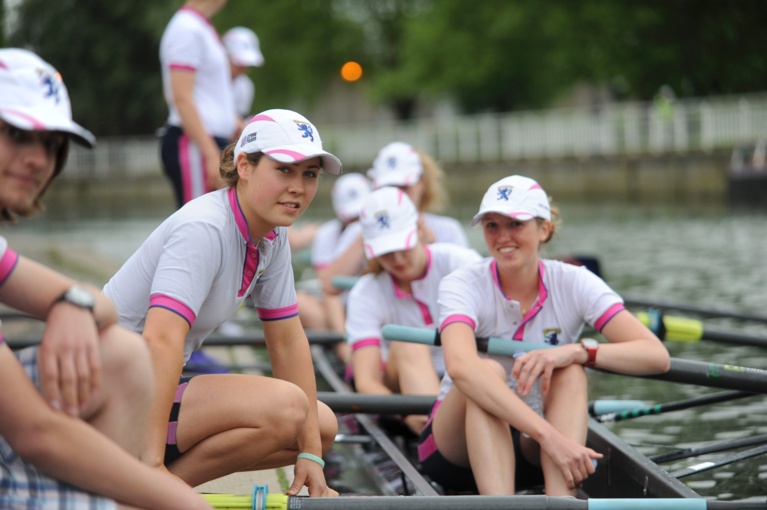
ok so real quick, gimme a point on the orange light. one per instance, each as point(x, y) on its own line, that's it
point(351, 71)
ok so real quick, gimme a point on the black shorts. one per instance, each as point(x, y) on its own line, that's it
point(454, 478)
point(183, 164)
point(171, 449)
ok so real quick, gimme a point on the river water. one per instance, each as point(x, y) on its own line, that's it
point(704, 254)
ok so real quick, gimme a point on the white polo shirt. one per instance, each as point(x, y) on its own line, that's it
point(446, 229)
point(244, 91)
point(331, 240)
point(190, 42)
point(569, 297)
point(201, 264)
point(375, 300)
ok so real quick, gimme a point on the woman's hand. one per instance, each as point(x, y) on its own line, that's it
point(574, 460)
point(542, 363)
point(308, 473)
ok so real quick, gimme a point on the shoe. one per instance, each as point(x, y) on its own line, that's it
point(201, 363)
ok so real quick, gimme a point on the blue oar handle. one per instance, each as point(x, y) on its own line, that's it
point(344, 282)
point(492, 345)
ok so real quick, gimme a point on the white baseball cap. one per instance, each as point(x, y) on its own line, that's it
point(34, 98)
point(389, 222)
point(517, 197)
point(285, 136)
point(397, 164)
point(243, 47)
point(349, 193)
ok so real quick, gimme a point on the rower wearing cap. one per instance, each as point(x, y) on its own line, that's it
point(193, 273)
point(72, 410)
point(500, 423)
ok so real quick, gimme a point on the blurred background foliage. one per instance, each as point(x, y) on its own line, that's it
point(481, 55)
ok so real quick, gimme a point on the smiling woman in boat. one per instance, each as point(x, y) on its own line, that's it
point(193, 273)
point(400, 287)
point(501, 423)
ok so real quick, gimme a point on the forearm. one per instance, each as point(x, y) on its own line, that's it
point(74, 452)
point(193, 126)
point(48, 285)
point(167, 365)
point(348, 263)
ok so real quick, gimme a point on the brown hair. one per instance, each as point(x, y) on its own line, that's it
point(434, 197)
point(556, 221)
point(228, 166)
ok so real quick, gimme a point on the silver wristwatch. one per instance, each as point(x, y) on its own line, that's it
point(78, 296)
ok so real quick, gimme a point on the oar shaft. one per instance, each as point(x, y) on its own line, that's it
point(279, 502)
point(254, 338)
point(694, 309)
point(728, 459)
point(672, 406)
point(713, 375)
point(711, 448)
point(377, 404)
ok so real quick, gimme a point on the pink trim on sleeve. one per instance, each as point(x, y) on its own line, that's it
point(609, 314)
point(174, 305)
point(7, 263)
point(457, 318)
point(1, 339)
point(275, 314)
point(182, 67)
point(367, 342)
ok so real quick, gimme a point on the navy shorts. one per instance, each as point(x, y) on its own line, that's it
point(171, 449)
point(454, 478)
point(183, 165)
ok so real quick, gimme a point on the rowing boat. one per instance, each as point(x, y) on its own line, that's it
point(624, 472)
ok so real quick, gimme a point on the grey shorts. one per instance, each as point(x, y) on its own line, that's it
point(23, 487)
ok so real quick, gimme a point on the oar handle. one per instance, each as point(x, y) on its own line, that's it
point(344, 282)
point(713, 375)
point(492, 345)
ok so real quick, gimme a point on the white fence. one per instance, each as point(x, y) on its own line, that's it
point(604, 130)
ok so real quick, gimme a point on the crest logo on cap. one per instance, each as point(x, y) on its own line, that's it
point(391, 162)
point(504, 193)
point(383, 220)
point(306, 130)
point(51, 86)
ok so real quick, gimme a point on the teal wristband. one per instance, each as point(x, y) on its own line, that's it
point(309, 456)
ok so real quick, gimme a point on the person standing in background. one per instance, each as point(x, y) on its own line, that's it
point(244, 51)
point(197, 85)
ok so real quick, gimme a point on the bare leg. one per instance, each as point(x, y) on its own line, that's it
point(566, 407)
point(468, 436)
point(310, 311)
point(410, 371)
point(121, 407)
point(488, 435)
point(229, 423)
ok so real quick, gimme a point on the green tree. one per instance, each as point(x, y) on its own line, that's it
point(108, 55)
point(304, 42)
point(512, 54)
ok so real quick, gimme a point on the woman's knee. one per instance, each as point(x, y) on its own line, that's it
point(495, 368)
point(125, 359)
point(328, 426)
point(573, 377)
point(290, 409)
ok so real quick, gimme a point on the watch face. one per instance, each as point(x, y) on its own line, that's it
point(590, 343)
point(80, 297)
